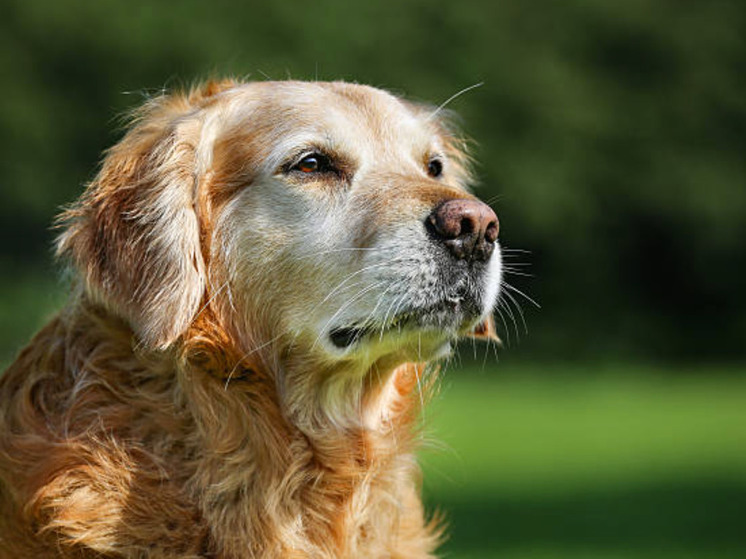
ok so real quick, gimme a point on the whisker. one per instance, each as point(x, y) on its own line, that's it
point(212, 297)
point(451, 98)
point(417, 374)
point(518, 308)
point(370, 319)
point(521, 293)
point(364, 269)
point(506, 307)
point(276, 262)
point(385, 320)
point(487, 353)
point(341, 289)
point(352, 300)
point(494, 348)
point(493, 199)
point(314, 255)
point(499, 312)
point(402, 301)
point(253, 351)
point(396, 306)
point(512, 272)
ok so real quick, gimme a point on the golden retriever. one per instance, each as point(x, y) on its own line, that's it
point(262, 271)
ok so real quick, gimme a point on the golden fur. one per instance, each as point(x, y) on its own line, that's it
point(185, 403)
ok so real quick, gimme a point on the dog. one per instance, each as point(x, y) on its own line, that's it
point(261, 273)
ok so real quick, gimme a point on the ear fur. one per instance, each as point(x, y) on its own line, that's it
point(134, 235)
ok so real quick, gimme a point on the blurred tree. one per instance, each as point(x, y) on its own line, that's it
point(611, 139)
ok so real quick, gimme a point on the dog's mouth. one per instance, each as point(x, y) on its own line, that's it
point(448, 317)
point(347, 336)
point(343, 338)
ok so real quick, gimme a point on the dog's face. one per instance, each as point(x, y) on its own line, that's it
point(324, 218)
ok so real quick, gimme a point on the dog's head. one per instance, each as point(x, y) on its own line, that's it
point(327, 218)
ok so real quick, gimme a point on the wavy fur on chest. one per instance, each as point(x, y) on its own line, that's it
point(109, 452)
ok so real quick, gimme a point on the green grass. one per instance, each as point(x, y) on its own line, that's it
point(621, 463)
point(30, 296)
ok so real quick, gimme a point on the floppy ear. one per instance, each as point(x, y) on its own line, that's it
point(134, 234)
point(485, 330)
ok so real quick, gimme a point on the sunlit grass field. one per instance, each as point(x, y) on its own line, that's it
point(620, 462)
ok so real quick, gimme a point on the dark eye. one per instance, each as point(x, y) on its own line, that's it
point(435, 167)
point(314, 163)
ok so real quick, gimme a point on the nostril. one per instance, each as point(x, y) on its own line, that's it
point(467, 226)
point(492, 231)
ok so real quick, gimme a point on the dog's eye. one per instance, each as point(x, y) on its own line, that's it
point(314, 163)
point(435, 167)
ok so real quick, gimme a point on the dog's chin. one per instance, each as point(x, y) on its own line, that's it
point(407, 342)
point(418, 334)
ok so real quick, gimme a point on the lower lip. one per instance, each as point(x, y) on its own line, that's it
point(342, 338)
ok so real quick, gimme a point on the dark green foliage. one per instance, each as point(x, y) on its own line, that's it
point(611, 137)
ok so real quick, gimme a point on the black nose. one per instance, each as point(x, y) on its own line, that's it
point(468, 228)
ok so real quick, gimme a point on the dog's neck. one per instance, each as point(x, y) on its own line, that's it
point(338, 444)
point(329, 487)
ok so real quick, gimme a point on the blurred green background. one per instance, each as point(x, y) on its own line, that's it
point(611, 139)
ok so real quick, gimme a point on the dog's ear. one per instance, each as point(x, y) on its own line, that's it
point(134, 235)
point(486, 331)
